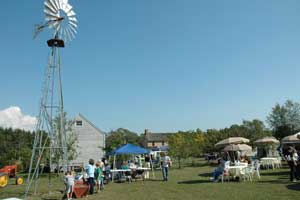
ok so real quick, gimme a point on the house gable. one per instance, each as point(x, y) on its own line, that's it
point(91, 140)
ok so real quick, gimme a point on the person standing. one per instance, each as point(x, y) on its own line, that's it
point(91, 174)
point(292, 158)
point(99, 176)
point(147, 162)
point(166, 163)
point(69, 182)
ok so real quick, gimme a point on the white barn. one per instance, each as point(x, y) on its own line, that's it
point(91, 140)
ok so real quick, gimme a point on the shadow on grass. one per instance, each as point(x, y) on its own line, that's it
point(194, 182)
point(205, 174)
point(294, 187)
point(197, 164)
point(155, 180)
point(276, 181)
point(276, 173)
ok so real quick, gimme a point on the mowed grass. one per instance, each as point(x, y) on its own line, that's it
point(184, 184)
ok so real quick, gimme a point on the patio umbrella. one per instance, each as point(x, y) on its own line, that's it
point(267, 147)
point(291, 139)
point(231, 140)
point(238, 147)
point(267, 140)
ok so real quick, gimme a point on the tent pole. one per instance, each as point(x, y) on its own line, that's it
point(112, 178)
point(153, 175)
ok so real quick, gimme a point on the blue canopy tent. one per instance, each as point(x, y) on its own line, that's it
point(130, 149)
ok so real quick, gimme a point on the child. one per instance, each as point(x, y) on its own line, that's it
point(99, 176)
point(69, 182)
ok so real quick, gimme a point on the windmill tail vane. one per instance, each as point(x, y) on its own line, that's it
point(38, 28)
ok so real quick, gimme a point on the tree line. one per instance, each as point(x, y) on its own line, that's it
point(283, 120)
point(16, 145)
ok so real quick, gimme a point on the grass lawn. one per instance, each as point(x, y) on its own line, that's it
point(184, 184)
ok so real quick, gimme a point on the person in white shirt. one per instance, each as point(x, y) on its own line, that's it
point(69, 182)
point(292, 158)
point(165, 164)
point(91, 174)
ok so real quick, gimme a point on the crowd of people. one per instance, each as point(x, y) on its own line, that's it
point(95, 173)
point(226, 160)
point(289, 154)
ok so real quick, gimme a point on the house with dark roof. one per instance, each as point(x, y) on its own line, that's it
point(156, 140)
point(91, 140)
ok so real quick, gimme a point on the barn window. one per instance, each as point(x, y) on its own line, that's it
point(78, 123)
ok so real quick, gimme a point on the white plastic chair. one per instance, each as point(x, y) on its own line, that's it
point(226, 173)
point(256, 168)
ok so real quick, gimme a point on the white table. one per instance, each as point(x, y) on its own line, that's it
point(141, 168)
point(120, 170)
point(268, 162)
point(117, 170)
point(236, 171)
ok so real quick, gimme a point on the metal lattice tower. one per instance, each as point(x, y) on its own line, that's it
point(50, 145)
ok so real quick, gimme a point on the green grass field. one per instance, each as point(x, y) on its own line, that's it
point(184, 184)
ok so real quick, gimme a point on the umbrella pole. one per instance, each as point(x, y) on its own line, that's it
point(112, 178)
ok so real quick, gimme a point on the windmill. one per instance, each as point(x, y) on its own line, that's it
point(50, 148)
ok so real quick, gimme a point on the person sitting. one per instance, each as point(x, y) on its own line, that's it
point(219, 170)
point(132, 165)
point(124, 166)
point(242, 159)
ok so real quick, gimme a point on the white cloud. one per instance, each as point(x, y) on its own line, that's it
point(13, 117)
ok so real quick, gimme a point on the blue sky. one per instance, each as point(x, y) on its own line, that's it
point(163, 65)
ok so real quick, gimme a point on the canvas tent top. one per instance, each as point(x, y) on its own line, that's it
point(129, 149)
point(291, 139)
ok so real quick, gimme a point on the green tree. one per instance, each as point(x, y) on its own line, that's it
point(71, 137)
point(116, 138)
point(285, 119)
point(177, 146)
point(15, 147)
point(251, 130)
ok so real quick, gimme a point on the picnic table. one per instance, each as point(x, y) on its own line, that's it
point(237, 170)
point(113, 171)
point(269, 162)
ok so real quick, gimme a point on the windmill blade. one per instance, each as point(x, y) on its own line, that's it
point(65, 35)
point(63, 4)
point(68, 36)
point(73, 29)
point(72, 33)
point(52, 2)
point(73, 24)
point(68, 8)
point(49, 7)
point(50, 14)
point(71, 13)
point(55, 2)
point(73, 19)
